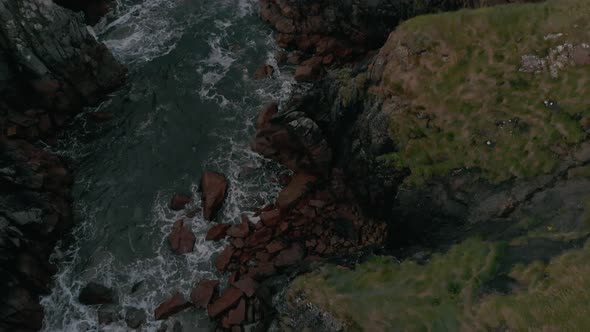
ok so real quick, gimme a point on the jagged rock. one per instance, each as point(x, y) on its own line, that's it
point(179, 201)
point(267, 114)
point(296, 189)
point(172, 306)
point(204, 293)
point(135, 317)
point(224, 258)
point(217, 232)
point(95, 293)
point(247, 285)
point(270, 218)
point(181, 239)
point(213, 188)
point(230, 297)
point(239, 231)
point(238, 315)
point(48, 72)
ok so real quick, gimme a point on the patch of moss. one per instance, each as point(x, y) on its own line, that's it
point(382, 295)
point(447, 293)
point(463, 72)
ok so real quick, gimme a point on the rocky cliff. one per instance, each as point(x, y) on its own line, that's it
point(479, 120)
point(50, 67)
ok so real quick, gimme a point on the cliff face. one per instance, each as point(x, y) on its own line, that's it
point(480, 121)
point(50, 67)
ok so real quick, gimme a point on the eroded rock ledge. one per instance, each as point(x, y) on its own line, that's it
point(50, 67)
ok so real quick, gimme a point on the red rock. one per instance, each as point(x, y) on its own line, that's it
point(247, 285)
point(328, 60)
point(170, 307)
point(182, 240)
point(283, 226)
point(213, 188)
point(295, 190)
point(308, 211)
point(267, 114)
point(239, 231)
point(289, 257)
point(263, 72)
point(270, 218)
point(238, 242)
point(202, 295)
point(262, 256)
point(222, 261)
point(217, 232)
point(274, 246)
point(230, 297)
point(238, 315)
point(260, 236)
point(179, 201)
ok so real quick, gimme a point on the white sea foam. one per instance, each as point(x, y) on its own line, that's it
point(248, 174)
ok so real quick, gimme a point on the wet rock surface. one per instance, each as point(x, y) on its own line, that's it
point(40, 90)
point(94, 293)
point(213, 188)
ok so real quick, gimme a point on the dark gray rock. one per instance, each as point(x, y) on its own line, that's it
point(108, 314)
point(135, 317)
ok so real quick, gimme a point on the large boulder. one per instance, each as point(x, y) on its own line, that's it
point(204, 293)
point(213, 188)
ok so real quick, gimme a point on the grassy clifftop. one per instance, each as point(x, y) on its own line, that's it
point(501, 89)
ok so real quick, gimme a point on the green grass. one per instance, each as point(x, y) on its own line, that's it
point(464, 88)
point(446, 294)
point(382, 295)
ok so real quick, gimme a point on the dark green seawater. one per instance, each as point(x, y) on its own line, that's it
point(189, 105)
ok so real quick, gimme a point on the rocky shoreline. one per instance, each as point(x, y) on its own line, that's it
point(341, 198)
point(45, 80)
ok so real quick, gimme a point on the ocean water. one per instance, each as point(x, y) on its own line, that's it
point(189, 105)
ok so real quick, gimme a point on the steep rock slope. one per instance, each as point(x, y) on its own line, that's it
point(50, 67)
point(486, 111)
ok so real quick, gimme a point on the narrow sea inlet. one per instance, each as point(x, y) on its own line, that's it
point(189, 106)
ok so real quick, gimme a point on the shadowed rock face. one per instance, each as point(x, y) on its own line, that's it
point(50, 67)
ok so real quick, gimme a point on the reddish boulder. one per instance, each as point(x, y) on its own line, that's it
point(213, 188)
point(270, 218)
point(202, 295)
point(217, 232)
point(230, 297)
point(247, 285)
point(239, 231)
point(238, 315)
point(289, 257)
point(170, 307)
point(264, 71)
point(260, 236)
point(222, 261)
point(267, 114)
point(182, 240)
point(295, 190)
point(275, 246)
point(179, 201)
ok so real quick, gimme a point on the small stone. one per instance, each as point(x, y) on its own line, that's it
point(275, 246)
point(170, 307)
point(242, 230)
point(179, 201)
point(217, 232)
point(181, 239)
point(264, 71)
point(223, 260)
point(270, 218)
point(135, 317)
point(238, 315)
point(247, 285)
point(289, 257)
